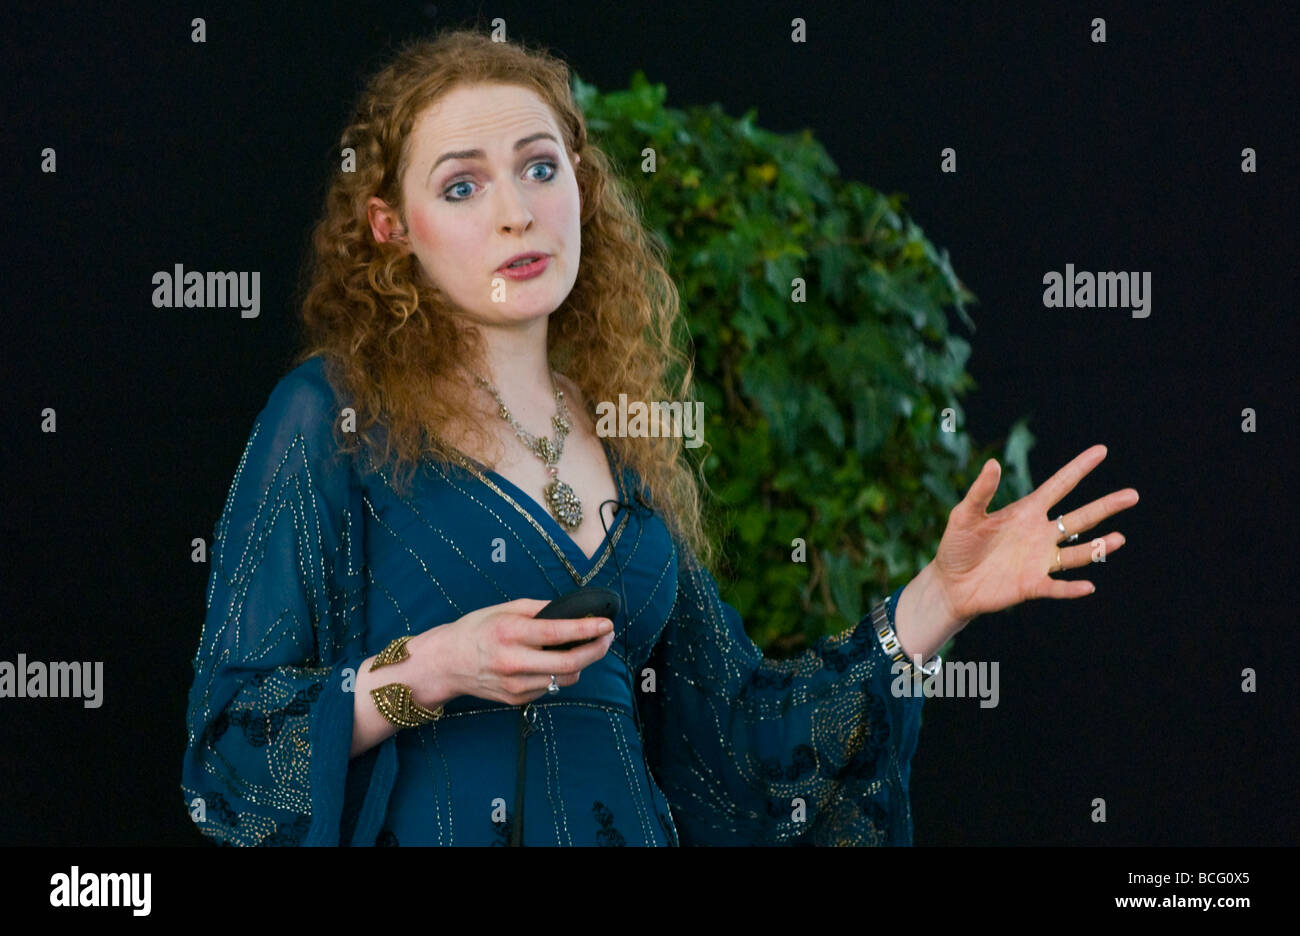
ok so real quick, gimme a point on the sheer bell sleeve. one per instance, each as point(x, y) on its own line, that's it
point(270, 712)
point(815, 750)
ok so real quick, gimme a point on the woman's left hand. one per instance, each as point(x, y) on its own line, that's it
point(987, 562)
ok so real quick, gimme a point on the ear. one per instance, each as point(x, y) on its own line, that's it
point(385, 225)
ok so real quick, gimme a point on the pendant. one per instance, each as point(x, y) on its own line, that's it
point(564, 504)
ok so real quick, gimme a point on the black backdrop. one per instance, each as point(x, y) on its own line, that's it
point(1117, 156)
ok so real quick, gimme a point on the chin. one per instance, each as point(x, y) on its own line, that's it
point(504, 314)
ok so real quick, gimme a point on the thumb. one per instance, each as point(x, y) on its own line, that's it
point(525, 606)
point(985, 486)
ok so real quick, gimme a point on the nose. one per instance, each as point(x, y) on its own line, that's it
point(513, 210)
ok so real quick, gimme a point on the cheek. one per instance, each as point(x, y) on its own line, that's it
point(564, 212)
point(422, 226)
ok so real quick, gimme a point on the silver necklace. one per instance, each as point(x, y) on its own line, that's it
point(561, 500)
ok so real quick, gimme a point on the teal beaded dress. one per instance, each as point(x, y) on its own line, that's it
point(316, 566)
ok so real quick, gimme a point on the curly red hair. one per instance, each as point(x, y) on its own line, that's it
point(390, 339)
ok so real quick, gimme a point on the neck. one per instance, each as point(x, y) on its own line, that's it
point(518, 368)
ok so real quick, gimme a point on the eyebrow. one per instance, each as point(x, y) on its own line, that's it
point(479, 154)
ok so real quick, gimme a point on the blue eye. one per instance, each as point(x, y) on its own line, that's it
point(543, 162)
point(553, 170)
point(457, 185)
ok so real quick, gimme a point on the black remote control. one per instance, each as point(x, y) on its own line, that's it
point(592, 601)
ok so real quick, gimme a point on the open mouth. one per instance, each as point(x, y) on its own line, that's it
point(525, 267)
point(522, 261)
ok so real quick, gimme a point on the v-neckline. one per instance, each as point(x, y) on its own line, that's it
point(541, 519)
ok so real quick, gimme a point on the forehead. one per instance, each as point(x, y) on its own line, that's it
point(482, 115)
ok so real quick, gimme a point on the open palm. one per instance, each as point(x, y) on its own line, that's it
point(988, 562)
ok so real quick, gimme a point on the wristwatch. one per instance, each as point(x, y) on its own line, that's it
point(890, 644)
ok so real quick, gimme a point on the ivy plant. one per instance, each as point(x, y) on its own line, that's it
point(817, 311)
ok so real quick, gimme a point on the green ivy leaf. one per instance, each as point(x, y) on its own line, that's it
point(845, 584)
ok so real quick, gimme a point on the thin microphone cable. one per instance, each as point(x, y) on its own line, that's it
point(637, 511)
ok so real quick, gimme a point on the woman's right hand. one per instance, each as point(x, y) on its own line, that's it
point(496, 653)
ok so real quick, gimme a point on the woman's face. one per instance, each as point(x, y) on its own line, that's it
point(469, 214)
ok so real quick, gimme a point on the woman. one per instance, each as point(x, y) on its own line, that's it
point(429, 476)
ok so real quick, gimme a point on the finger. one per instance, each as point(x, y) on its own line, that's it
point(985, 486)
point(545, 633)
point(538, 687)
point(1075, 557)
point(1051, 492)
point(1089, 515)
point(563, 661)
point(561, 679)
point(1065, 588)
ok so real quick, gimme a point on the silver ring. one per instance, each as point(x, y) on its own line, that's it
point(1060, 525)
point(552, 687)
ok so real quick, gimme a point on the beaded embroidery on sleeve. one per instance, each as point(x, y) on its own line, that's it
point(752, 751)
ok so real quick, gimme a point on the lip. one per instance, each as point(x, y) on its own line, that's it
point(528, 270)
point(520, 256)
